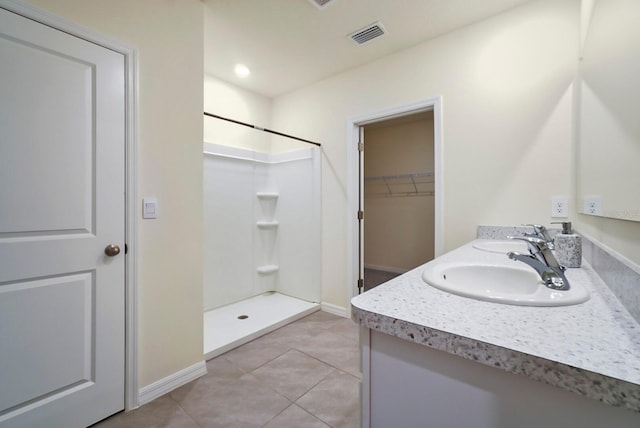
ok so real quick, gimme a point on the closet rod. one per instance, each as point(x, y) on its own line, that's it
point(261, 129)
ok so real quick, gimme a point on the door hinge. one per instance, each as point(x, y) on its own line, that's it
point(361, 147)
point(360, 215)
point(360, 285)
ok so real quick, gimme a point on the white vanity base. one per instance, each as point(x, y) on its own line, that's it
point(409, 385)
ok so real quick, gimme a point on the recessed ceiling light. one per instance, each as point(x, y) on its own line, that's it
point(242, 70)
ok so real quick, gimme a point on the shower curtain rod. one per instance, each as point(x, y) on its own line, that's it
point(261, 129)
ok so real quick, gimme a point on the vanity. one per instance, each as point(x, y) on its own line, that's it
point(433, 357)
point(470, 350)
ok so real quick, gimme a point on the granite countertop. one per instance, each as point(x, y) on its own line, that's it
point(592, 348)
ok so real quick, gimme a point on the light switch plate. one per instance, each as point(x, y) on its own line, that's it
point(149, 208)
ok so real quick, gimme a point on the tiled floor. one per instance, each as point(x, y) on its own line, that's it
point(305, 374)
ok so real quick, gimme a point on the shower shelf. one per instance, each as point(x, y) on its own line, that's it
point(267, 195)
point(268, 269)
point(267, 224)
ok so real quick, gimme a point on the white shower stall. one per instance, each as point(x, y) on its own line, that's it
point(262, 239)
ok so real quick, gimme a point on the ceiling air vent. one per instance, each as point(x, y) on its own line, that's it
point(368, 33)
point(320, 4)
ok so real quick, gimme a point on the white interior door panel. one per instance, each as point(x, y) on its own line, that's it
point(62, 178)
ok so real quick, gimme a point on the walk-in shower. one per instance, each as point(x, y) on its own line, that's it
point(262, 233)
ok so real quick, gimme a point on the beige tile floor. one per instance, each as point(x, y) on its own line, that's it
point(305, 374)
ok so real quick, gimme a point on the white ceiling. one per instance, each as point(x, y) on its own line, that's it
point(289, 44)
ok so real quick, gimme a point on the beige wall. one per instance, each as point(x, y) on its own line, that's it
point(169, 39)
point(399, 228)
point(506, 86)
point(230, 101)
point(233, 102)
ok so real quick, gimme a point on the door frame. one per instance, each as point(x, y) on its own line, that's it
point(353, 179)
point(131, 210)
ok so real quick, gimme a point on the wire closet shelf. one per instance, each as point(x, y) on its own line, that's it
point(399, 185)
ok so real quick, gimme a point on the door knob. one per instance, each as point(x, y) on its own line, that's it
point(112, 250)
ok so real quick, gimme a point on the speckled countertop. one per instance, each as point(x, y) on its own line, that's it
point(592, 348)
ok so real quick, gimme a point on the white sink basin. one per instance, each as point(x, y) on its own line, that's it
point(513, 285)
point(500, 246)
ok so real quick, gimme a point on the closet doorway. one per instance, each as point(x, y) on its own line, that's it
point(397, 197)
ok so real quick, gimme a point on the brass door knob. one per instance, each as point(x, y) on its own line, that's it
point(112, 250)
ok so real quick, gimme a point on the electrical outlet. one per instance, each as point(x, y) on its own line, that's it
point(592, 205)
point(559, 206)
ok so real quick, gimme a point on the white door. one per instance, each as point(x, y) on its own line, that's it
point(62, 131)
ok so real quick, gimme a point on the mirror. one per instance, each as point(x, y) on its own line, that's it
point(609, 111)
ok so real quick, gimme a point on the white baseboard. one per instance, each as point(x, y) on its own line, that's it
point(163, 386)
point(335, 309)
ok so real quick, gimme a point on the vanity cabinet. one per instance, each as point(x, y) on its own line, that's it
point(407, 385)
point(431, 358)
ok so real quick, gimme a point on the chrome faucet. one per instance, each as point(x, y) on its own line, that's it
point(542, 260)
point(541, 232)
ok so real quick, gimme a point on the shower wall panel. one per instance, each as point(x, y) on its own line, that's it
point(297, 178)
point(228, 226)
point(262, 224)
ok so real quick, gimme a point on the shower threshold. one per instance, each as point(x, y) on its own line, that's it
point(233, 325)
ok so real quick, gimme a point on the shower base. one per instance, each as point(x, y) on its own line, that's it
point(233, 325)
